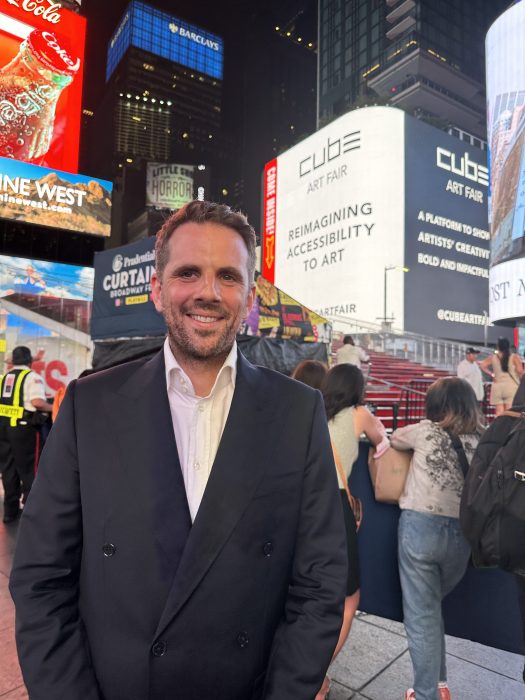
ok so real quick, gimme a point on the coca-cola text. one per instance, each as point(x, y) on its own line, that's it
point(48, 11)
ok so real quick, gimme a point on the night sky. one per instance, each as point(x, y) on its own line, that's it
point(231, 19)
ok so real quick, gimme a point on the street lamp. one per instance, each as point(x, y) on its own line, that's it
point(387, 269)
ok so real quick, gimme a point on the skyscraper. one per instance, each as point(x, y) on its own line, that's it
point(162, 103)
point(423, 56)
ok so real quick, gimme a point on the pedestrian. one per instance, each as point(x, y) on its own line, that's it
point(310, 372)
point(432, 552)
point(468, 369)
point(23, 407)
point(351, 353)
point(343, 391)
point(184, 537)
point(505, 369)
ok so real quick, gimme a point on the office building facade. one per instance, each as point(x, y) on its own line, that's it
point(421, 56)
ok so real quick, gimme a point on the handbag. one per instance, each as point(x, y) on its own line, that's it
point(388, 473)
point(355, 503)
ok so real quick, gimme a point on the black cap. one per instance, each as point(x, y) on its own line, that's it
point(22, 355)
point(471, 350)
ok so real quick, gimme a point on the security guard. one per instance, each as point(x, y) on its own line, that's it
point(22, 397)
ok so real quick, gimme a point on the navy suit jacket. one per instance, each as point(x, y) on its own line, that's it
point(254, 607)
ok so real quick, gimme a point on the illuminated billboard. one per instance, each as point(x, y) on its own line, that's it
point(46, 306)
point(505, 46)
point(41, 69)
point(372, 193)
point(172, 185)
point(54, 198)
point(167, 36)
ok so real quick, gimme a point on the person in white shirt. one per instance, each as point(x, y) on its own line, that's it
point(184, 537)
point(468, 369)
point(350, 353)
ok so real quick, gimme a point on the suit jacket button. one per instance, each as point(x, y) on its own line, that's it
point(108, 549)
point(159, 648)
point(268, 549)
point(243, 640)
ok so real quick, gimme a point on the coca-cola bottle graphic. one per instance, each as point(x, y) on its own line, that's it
point(30, 86)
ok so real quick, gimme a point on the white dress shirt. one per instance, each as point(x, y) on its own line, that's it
point(198, 422)
point(471, 373)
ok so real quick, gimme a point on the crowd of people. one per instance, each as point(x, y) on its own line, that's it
point(432, 552)
point(140, 571)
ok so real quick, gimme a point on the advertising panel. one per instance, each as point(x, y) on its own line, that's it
point(334, 215)
point(505, 46)
point(167, 36)
point(379, 216)
point(46, 306)
point(122, 305)
point(277, 315)
point(171, 185)
point(41, 68)
point(446, 238)
point(54, 198)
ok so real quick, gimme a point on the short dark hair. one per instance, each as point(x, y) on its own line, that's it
point(348, 340)
point(311, 372)
point(343, 386)
point(451, 403)
point(22, 355)
point(200, 213)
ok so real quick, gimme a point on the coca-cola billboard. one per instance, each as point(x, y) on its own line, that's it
point(41, 69)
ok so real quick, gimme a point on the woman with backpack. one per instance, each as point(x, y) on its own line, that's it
point(432, 552)
point(506, 370)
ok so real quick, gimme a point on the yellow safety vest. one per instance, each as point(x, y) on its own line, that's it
point(14, 411)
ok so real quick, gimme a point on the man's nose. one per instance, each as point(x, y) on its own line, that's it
point(209, 288)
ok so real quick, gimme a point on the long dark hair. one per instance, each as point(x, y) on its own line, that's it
point(452, 404)
point(503, 347)
point(311, 372)
point(343, 386)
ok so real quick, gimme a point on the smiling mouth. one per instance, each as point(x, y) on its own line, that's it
point(204, 319)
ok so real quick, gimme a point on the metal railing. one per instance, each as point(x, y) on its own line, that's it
point(414, 347)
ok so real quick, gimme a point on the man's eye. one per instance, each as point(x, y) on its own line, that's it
point(187, 274)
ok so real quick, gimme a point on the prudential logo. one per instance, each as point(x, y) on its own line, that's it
point(118, 262)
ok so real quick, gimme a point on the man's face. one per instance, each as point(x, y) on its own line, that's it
point(204, 292)
point(471, 356)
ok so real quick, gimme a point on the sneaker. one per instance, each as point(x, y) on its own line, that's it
point(444, 692)
point(410, 694)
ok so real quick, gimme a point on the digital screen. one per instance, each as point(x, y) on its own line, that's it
point(54, 198)
point(41, 72)
point(172, 185)
point(167, 36)
point(381, 215)
point(47, 307)
point(333, 216)
point(447, 241)
point(505, 46)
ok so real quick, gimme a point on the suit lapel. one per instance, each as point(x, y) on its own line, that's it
point(148, 453)
point(236, 472)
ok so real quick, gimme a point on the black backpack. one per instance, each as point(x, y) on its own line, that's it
point(492, 511)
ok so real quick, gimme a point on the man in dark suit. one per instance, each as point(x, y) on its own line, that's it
point(184, 536)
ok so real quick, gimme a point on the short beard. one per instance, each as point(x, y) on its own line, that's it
point(180, 340)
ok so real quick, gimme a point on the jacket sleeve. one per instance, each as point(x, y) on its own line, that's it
point(307, 635)
point(52, 646)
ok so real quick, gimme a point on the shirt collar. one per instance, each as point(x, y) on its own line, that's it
point(176, 377)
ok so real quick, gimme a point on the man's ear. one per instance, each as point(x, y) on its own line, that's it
point(156, 289)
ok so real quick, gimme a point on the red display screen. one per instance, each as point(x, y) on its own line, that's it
point(41, 72)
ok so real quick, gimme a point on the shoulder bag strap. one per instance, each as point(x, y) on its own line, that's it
point(355, 503)
point(460, 451)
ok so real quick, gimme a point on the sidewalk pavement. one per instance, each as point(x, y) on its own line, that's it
point(373, 665)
